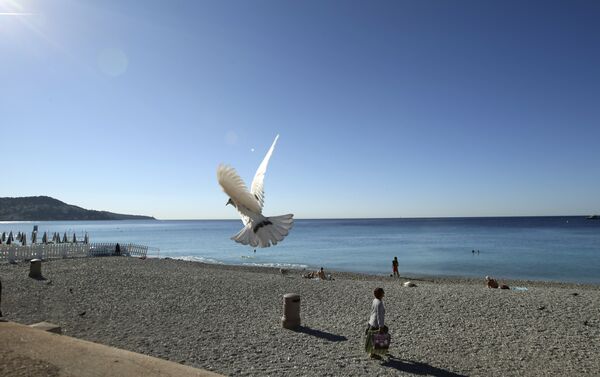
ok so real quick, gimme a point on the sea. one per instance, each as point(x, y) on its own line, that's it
point(563, 249)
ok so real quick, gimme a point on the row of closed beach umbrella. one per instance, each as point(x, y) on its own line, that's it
point(21, 237)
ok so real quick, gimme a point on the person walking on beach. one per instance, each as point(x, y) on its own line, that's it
point(376, 323)
point(395, 267)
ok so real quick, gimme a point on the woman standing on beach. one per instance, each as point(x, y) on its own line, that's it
point(395, 267)
point(376, 322)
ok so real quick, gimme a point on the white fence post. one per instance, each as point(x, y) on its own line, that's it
point(11, 255)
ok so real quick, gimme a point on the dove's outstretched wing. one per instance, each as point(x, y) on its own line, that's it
point(258, 230)
point(258, 189)
point(233, 186)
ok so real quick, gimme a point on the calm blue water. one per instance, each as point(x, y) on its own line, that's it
point(536, 248)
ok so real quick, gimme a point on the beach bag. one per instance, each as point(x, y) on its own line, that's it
point(381, 341)
point(376, 343)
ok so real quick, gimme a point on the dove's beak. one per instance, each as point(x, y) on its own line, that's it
point(229, 202)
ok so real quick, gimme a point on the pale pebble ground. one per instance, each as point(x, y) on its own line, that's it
point(227, 319)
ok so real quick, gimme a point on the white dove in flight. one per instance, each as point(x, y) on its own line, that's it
point(258, 230)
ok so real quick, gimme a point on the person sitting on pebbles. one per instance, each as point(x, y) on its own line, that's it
point(321, 274)
point(317, 275)
point(490, 282)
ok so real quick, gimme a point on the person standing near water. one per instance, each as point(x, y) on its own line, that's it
point(395, 267)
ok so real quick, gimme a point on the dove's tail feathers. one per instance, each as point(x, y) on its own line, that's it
point(245, 236)
point(269, 232)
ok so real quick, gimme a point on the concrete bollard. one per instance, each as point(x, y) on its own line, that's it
point(291, 311)
point(35, 269)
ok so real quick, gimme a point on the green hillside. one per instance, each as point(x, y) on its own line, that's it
point(44, 208)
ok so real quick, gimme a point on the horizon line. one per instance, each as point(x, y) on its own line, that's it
point(378, 218)
point(317, 218)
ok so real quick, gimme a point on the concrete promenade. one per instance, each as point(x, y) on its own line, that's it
point(25, 351)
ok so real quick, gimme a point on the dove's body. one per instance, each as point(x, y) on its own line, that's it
point(258, 230)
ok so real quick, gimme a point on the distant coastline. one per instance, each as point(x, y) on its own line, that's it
point(45, 208)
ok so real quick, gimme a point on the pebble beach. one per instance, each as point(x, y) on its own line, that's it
point(227, 319)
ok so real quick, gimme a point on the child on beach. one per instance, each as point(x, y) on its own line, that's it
point(376, 325)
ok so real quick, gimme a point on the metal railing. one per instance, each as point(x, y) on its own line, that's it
point(14, 253)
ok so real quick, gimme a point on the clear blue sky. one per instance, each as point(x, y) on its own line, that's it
point(385, 108)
